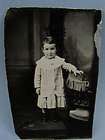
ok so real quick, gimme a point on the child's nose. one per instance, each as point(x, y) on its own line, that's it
point(49, 51)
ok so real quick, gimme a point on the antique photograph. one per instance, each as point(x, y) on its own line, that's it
point(52, 64)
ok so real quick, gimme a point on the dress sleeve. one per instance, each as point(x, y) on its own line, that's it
point(37, 76)
point(69, 67)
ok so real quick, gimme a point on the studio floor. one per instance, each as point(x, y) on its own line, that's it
point(28, 125)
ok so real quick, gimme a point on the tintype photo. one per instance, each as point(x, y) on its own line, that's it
point(52, 61)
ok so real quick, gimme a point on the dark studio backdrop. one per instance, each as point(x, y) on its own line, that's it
point(73, 31)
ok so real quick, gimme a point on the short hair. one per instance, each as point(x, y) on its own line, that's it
point(48, 39)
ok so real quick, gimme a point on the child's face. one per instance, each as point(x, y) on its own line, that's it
point(49, 50)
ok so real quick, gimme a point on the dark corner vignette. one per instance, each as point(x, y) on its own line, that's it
point(60, 44)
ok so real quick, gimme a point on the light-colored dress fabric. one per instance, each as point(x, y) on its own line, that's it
point(49, 78)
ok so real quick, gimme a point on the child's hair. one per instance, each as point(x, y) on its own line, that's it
point(48, 39)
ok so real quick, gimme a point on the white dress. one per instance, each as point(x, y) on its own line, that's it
point(49, 78)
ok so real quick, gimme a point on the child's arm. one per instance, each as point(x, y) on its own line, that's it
point(37, 79)
point(71, 68)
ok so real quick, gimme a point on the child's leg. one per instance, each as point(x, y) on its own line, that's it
point(52, 114)
point(49, 115)
point(44, 114)
point(62, 114)
point(61, 108)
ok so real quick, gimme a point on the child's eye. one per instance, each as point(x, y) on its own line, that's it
point(52, 48)
point(46, 49)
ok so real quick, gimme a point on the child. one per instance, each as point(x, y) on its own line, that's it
point(49, 81)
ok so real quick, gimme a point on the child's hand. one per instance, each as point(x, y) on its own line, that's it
point(38, 91)
point(75, 73)
point(79, 72)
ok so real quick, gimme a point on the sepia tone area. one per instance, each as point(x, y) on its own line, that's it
point(73, 31)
